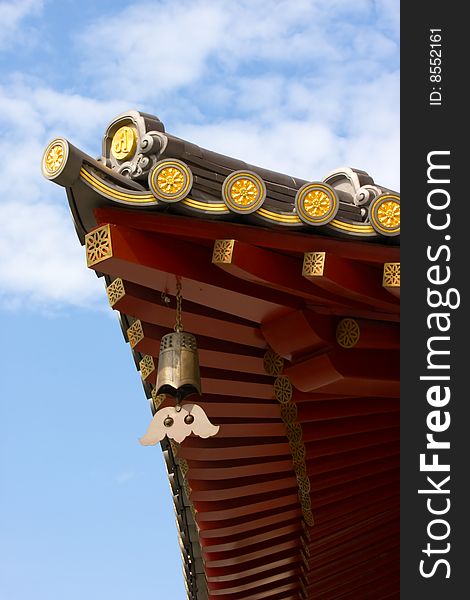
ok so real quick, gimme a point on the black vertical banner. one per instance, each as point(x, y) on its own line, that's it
point(435, 397)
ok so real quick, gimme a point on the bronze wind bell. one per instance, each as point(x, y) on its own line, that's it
point(178, 376)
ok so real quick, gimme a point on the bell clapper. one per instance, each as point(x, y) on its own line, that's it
point(168, 422)
point(189, 419)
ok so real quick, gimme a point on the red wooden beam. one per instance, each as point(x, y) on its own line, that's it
point(336, 428)
point(284, 563)
point(153, 262)
point(351, 442)
point(351, 458)
point(151, 309)
point(241, 557)
point(367, 484)
point(216, 491)
point(287, 241)
point(255, 536)
point(241, 526)
point(232, 449)
point(213, 353)
point(230, 510)
point(340, 409)
point(204, 471)
point(358, 372)
point(353, 280)
point(274, 270)
point(298, 332)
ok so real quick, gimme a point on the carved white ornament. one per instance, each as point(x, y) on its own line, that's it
point(179, 429)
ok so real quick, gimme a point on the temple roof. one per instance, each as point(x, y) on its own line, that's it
point(144, 167)
point(292, 291)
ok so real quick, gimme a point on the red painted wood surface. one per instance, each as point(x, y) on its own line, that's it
point(244, 488)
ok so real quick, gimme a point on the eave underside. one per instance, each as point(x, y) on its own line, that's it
point(325, 448)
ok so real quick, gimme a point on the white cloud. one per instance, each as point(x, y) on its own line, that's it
point(388, 15)
point(302, 87)
point(12, 15)
point(149, 49)
point(41, 261)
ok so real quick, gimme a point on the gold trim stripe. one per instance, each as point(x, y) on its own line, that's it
point(350, 227)
point(136, 197)
point(143, 198)
point(204, 205)
point(264, 212)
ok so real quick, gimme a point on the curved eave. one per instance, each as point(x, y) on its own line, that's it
point(91, 185)
point(242, 483)
point(298, 337)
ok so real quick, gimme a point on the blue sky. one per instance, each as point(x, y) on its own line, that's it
point(301, 87)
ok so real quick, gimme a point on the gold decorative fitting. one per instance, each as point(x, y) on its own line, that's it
point(283, 389)
point(348, 333)
point(304, 483)
point(303, 590)
point(316, 203)
point(314, 264)
point(170, 180)
point(157, 400)
point(115, 291)
point(304, 576)
point(273, 363)
point(294, 432)
point(305, 546)
point(301, 470)
point(299, 454)
point(308, 517)
point(174, 446)
point(135, 333)
point(146, 366)
point(184, 467)
point(305, 532)
point(54, 158)
point(304, 558)
point(305, 501)
point(384, 215)
point(391, 277)
point(243, 192)
point(124, 143)
point(289, 412)
point(98, 245)
point(187, 488)
point(223, 250)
